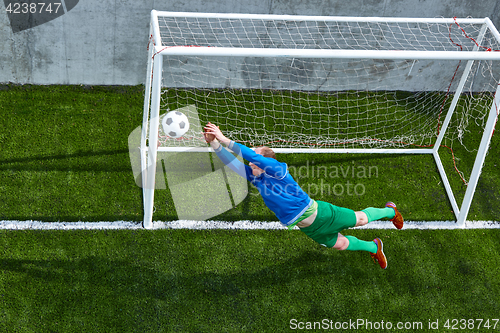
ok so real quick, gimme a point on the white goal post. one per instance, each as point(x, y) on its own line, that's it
point(314, 84)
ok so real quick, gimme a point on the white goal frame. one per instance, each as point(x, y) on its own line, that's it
point(157, 52)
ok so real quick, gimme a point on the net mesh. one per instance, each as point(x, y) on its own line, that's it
point(316, 34)
point(291, 102)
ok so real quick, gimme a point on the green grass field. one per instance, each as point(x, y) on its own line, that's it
point(64, 157)
point(241, 281)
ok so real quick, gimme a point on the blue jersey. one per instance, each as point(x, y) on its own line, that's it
point(281, 193)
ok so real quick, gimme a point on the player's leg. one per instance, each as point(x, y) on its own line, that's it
point(342, 243)
point(351, 243)
point(361, 219)
point(331, 220)
point(373, 214)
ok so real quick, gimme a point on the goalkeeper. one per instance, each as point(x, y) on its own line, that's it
point(319, 220)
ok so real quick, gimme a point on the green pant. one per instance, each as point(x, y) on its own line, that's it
point(330, 220)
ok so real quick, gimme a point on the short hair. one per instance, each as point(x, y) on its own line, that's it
point(268, 152)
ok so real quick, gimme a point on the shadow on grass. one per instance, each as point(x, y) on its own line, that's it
point(93, 161)
point(123, 293)
point(127, 277)
point(180, 287)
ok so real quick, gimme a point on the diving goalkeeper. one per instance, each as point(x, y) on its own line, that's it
point(319, 220)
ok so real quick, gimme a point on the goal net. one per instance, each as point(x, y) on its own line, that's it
point(325, 84)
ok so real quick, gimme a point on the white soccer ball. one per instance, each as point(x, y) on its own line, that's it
point(175, 124)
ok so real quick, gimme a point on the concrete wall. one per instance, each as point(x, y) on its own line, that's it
point(104, 42)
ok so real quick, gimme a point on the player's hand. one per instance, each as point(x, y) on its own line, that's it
point(208, 137)
point(211, 129)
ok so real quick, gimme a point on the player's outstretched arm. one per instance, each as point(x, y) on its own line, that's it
point(271, 166)
point(211, 134)
point(211, 129)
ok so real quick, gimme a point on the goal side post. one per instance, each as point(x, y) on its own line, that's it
point(442, 131)
point(479, 161)
point(483, 146)
point(152, 145)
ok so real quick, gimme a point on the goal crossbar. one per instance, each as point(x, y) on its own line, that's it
point(311, 150)
point(313, 18)
point(338, 54)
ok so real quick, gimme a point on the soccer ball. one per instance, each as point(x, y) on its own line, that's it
point(175, 124)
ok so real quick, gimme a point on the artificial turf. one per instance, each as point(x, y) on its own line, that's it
point(64, 157)
point(243, 281)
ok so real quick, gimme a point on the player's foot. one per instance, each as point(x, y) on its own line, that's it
point(379, 256)
point(397, 220)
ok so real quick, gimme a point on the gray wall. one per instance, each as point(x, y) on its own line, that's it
point(104, 42)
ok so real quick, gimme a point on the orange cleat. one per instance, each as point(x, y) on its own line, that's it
point(397, 220)
point(379, 256)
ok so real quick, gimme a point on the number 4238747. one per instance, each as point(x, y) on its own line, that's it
point(33, 8)
point(462, 324)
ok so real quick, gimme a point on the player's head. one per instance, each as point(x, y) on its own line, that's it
point(266, 152)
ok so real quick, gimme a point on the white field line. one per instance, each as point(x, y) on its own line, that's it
point(240, 225)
